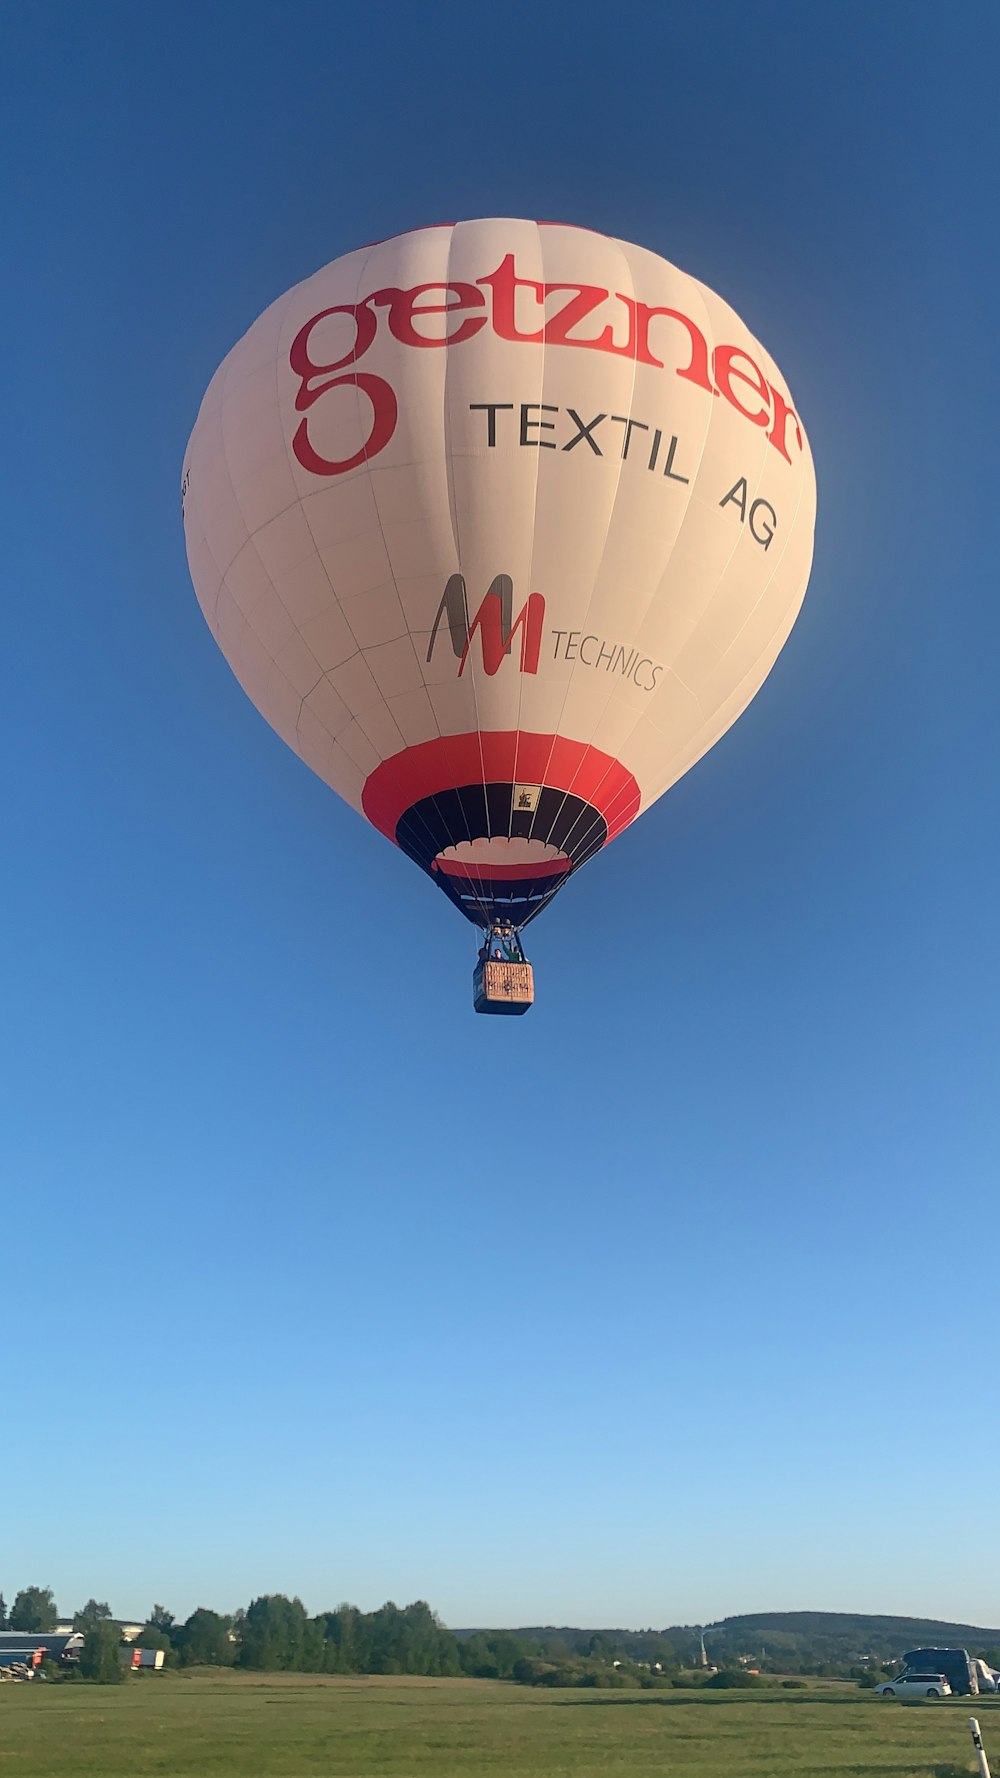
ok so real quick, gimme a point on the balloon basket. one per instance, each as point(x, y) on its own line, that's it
point(501, 987)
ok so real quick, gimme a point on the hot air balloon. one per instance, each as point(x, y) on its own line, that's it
point(501, 525)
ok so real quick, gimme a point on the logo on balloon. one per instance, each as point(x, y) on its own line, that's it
point(723, 370)
point(495, 622)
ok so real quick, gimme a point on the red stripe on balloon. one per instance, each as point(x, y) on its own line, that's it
point(451, 761)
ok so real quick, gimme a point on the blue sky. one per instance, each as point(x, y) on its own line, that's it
point(675, 1298)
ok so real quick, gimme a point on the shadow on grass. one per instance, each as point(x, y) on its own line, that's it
point(718, 1700)
point(906, 1771)
point(721, 1700)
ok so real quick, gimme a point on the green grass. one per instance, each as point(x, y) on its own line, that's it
point(217, 1725)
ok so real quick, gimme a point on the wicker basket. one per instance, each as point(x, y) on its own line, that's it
point(502, 987)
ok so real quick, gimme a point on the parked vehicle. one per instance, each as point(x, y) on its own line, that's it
point(62, 1646)
point(133, 1657)
point(954, 1663)
point(915, 1685)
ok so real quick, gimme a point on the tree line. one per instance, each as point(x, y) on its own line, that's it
point(277, 1634)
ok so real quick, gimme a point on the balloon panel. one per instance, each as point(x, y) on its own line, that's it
point(501, 525)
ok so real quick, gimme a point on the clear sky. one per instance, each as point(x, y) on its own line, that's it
point(678, 1297)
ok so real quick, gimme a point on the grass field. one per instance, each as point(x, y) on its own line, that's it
point(204, 1724)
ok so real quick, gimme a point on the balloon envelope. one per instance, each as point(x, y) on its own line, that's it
point(501, 525)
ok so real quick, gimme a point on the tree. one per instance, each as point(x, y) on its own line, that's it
point(343, 1640)
point(491, 1657)
point(92, 1613)
point(151, 1636)
point(659, 1648)
point(203, 1640)
point(3, 1612)
point(100, 1660)
point(34, 1609)
point(160, 1631)
point(279, 1635)
point(478, 1658)
point(556, 1650)
point(526, 1669)
point(411, 1640)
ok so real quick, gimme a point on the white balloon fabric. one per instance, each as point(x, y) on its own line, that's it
point(501, 525)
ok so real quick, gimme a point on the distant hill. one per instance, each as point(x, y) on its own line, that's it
point(907, 1632)
point(795, 1640)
